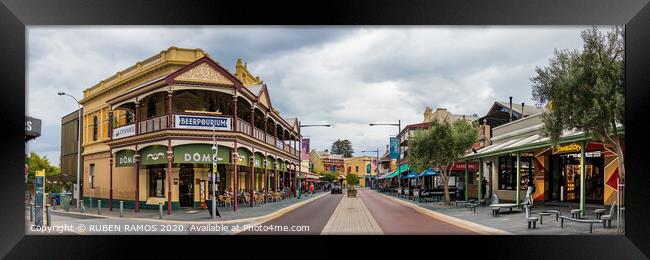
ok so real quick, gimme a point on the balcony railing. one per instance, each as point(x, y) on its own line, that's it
point(258, 134)
point(243, 127)
point(163, 122)
point(153, 124)
point(270, 139)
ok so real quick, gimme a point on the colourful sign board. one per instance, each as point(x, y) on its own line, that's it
point(39, 188)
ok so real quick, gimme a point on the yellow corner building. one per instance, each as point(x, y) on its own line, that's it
point(149, 130)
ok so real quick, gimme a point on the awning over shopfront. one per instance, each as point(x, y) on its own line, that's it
point(404, 168)
point(535, 141)
point(410, 175)
point(389, 175)
point(428, 172)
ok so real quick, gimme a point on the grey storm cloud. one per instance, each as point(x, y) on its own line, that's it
point(347, 76)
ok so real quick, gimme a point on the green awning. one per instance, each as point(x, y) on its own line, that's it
point(271, 164)
point(244, 157)
point(200, 153)
point(124, 158)
point(392, 175)
point(404, 167)
point(155, 154)
point(258, 160)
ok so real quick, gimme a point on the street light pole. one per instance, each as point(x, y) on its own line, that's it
point(300, 153)
point(399, 150)
point(77, 191)
point(214, 171)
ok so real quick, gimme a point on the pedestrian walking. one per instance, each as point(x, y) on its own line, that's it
point(311, 188)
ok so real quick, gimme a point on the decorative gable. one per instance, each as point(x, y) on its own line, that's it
point(263, 97)
point(204, 73)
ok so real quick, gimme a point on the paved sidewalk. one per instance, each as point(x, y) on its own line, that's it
point(351, 217)
point(192, 214)
point(514, 222)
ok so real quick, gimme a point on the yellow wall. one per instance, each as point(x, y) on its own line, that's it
point(360, 162)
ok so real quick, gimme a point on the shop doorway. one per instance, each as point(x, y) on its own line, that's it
point(565, 178)
point(186, 185)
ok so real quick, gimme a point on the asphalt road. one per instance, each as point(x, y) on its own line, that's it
point(309, 219)
point(398, 219)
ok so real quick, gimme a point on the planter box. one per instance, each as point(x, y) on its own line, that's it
point(352, 193)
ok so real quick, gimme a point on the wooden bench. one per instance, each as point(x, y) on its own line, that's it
point(591, 222)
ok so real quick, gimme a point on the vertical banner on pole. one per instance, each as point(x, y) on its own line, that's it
point(39, 188)
point(304, 149)
point(394, 145)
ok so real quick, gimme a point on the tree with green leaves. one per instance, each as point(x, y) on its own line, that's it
point(585, 90)
point(330, 176)
point(352, 179)
point(342, 147)
point(38, 163)
point(441, 145)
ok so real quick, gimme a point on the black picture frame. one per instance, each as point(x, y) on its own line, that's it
point(15, 15)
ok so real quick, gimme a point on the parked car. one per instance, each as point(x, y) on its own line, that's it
point(336, 188)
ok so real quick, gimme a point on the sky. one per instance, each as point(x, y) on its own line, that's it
point(346, 76)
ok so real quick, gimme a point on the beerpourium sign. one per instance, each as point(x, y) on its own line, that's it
point(203, 122)
point(124, 131)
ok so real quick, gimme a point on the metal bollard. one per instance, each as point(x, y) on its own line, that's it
point(160, 210)
point(31, 212)
point(121, 208)
point(83, 207)
point(99, 207)
point(47, 214)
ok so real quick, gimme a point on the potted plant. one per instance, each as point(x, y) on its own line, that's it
point(352, 180)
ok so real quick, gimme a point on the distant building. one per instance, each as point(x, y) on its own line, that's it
point(332, 162)
point(361, 166)
point(69, 144)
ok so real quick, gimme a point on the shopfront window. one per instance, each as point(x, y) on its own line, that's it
point(508, 171)
point(156, 181)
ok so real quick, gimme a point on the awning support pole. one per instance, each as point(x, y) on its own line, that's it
point(466, 179)
point(582, 178)
point(518, 184)
point(480, 179)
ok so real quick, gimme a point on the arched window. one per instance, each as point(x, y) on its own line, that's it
point(95, 126)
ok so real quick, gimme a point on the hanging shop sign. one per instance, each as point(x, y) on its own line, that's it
point(203, 122)
point(155, 154)
point(124, 131)
point(201, 153)
point(124, 158)
point(569, 148)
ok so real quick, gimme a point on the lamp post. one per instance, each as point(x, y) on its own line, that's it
point(399, 129)
point(77, 191)
point(376, 161)
point(214, 176)
point(300, 126)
